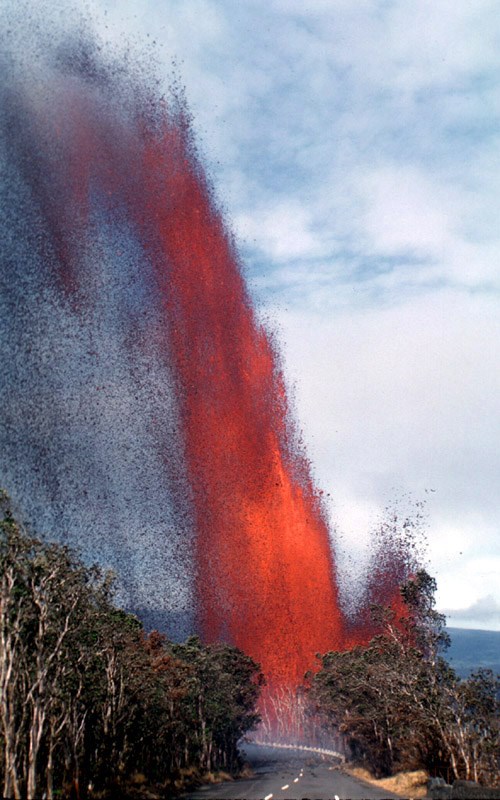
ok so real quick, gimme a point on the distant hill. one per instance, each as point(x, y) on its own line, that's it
point(471, 649)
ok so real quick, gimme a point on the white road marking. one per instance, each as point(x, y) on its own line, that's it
point(268, 797)
point(295, 780)
point(337, 797)
point(287, 786)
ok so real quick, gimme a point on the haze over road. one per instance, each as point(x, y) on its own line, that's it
point(286, 775)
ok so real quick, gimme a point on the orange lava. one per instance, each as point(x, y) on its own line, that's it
point(265, 576)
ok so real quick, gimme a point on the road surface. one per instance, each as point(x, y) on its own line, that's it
point(287, 775)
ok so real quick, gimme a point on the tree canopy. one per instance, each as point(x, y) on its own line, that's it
point(88, 700)
point(400, 705)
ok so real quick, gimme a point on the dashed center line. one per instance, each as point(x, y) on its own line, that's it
point(287, 786)
point(268, 796)
point(295, 780)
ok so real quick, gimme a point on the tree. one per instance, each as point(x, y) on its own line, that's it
point(223, 696)
point(398, 702)
point(86, 697)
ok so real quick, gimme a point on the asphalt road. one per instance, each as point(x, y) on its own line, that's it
point(287, 775)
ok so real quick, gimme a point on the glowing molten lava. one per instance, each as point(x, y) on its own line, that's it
point(142, 274)
point(265, 576)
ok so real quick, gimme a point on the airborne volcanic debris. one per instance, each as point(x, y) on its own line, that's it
point(145, 417)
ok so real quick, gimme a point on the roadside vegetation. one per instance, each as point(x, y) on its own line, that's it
point(90, 704)
point(400, 706)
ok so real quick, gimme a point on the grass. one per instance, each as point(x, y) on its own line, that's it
point(411, 785)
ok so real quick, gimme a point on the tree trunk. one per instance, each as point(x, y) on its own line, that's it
point(11, 778)
point(50, 770)
point(35, 737)
point(12, 787)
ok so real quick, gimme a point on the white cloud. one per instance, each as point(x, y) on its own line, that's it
point(282, 232)
point(407, 210)
point(484, 612)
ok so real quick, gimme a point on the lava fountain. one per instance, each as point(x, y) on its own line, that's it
point(147, 413)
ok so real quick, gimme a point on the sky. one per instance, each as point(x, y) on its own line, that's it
point(355, 148)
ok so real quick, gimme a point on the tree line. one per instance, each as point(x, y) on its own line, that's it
point(89, 703)
point(92, 705)
point(400, 706)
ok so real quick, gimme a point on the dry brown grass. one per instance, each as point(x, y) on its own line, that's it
point(217, 777)
point(407, 784)
point(138, 779)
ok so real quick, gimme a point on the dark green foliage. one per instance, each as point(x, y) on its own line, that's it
point(87, 699)
point(400, 705)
